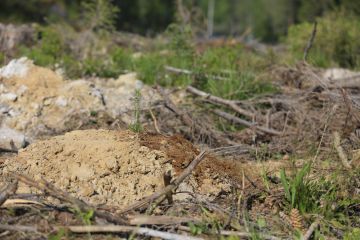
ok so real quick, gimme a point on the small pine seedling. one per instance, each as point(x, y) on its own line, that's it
point(136, 125)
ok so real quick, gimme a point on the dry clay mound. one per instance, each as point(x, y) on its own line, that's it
point(115, 167)
point(37, 101)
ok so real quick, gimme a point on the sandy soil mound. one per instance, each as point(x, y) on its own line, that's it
point(113, 167)
point(37, 101)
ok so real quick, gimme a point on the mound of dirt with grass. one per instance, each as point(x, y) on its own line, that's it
point(117, 167)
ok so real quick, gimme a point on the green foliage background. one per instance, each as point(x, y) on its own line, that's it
point(268, 20)
point(76, 36)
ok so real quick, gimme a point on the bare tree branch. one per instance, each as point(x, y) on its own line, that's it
point(234, 119)
point(218, 100)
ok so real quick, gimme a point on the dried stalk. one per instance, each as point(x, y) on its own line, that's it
point(342, 155)
point(127, 229)
point(155, 121)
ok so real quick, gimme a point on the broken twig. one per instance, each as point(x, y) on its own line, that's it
point(168, 188)
point(18, 228)
point(188, 72)
point(46, 187)
point(234, 119)
point(341, 153)
point(158, 220)
point(310, 42)
point(229, 103)
point(155, 121)
point(167, 181)
point(245, 235)
point(127, 229)
point(9, 190)
point(311, 230)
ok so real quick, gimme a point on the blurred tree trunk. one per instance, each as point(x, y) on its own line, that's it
point(293, 9)
point(210, 25)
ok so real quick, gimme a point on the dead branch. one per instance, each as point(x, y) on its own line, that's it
point(104, 229)
point(234, 119)
point(229, 103)
point(5, 233)
point(11, 203)
point(158, 220)
point(168, 188)
point(188, 72)
point(245, 235)
point(178, 70)
point(155, 121)
point(167, 181)
point(342, 155)
point(17, 228)
point(47, 188)
point(311, 230)
point(9, 190)
point(127, 229)
point(187, 120)
point(268, 118)
point(311, 41)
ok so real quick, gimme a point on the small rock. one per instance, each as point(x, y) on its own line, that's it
point(13, 113)
point(22, 89)
point(3, 88)
point(97, 200)
point(111, 164)
point(81, 172)
point(47, 101)
point(8, 97)
point(16, 68)
point(143, 149)
point(65, 182)
point(4, 108)
point(61, 101)
point(11, 140)
point(87, 190)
